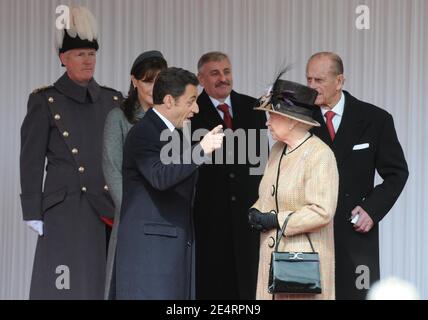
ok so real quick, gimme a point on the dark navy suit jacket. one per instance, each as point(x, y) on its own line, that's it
point(155, 250)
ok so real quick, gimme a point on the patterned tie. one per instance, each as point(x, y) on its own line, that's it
point(227, 118)
point(329, 115)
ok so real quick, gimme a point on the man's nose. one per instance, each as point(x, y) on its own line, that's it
point(195, 108)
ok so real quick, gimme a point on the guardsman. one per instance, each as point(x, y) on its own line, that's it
point(69, 209)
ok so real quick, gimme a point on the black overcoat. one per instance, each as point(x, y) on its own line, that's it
point(227, 250)
point(365, 142)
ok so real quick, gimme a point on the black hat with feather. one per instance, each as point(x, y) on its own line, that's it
point(290, 99)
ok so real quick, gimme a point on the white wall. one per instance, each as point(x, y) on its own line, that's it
point(384, 65)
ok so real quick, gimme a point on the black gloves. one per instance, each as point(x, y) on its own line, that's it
point(262, 221)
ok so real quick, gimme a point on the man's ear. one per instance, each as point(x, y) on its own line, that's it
point(340, 81)
point(168, 101)
point(63, 58)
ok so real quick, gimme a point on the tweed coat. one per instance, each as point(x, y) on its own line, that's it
point(308, 186)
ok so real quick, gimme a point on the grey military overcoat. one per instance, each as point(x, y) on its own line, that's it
point(64, 125)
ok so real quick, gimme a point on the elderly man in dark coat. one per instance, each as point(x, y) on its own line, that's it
point(363, 139)
point(64, 125)
point(155, 247)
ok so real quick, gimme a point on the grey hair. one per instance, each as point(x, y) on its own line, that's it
point(211, 56)
point(337, 64)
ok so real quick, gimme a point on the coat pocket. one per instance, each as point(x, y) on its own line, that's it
point(158, 229)
point(53, 198)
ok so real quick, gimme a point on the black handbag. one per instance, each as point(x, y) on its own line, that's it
point(293, 272)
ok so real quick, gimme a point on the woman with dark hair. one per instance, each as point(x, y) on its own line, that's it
point(118, 123)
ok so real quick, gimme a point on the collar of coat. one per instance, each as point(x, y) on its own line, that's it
point(78, 93)
point(207, 111)
point(351, 127)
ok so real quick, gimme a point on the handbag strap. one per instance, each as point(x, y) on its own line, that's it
point(282, 231)
point(279, 236)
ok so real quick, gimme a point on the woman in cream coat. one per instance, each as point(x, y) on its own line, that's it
point(307, 185)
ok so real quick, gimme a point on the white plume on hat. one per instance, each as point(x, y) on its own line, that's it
point(82, 23)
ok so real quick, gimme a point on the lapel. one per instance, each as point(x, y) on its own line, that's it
point(158, 122)
point(240, 112)
point(208, 113)
point(175, 137)
point(350, 130)
point(321, 132)
point(212, 118)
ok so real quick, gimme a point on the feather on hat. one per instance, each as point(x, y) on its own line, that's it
point(290, 99)
point(83, 32)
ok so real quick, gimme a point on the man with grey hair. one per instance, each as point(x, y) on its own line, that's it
point(226, 247)
point(69, 208)
point(363, 139)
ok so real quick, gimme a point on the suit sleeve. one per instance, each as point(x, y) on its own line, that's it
point(392, 167)
point(113, 156)
point(34, 143)
point(321, 188)
point(162, 175)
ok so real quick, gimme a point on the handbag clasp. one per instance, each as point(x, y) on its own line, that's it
point(296, 256)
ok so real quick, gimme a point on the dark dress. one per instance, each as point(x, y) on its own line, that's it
point(64, 125)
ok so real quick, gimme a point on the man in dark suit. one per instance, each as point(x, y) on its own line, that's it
point(155, 248)
point(64, 125)
point(226, 249)
point(363, 139)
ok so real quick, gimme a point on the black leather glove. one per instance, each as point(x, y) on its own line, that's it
point(262, 221)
